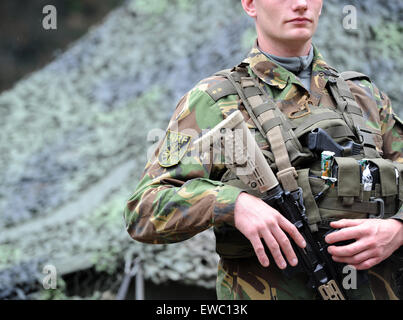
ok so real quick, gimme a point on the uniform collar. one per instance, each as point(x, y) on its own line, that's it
point(275, 75)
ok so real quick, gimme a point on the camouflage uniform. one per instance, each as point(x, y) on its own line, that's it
point(179, 195)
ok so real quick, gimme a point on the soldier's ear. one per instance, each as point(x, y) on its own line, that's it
point(249, 7)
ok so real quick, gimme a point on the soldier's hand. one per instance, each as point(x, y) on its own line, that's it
point(257, 221)
point(376, 240)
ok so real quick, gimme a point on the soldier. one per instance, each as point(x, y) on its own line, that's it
point(179, 195)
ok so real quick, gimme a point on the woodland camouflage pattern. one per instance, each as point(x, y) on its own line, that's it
point(178, 199)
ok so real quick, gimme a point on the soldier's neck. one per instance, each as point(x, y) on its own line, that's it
point(293, 64)
point(285, 49)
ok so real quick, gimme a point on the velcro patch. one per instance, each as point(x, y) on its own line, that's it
point(173, 149)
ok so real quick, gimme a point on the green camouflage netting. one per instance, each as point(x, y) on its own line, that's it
point(75, 134)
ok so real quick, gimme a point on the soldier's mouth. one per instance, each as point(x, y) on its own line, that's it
point(299, 20)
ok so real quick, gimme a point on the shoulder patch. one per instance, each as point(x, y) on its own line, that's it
point(173, 148)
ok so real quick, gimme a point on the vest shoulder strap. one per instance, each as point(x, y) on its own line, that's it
point(232, 85)
point(352, 113)
point(253, 97)
point(223, 88)
point(354, 75)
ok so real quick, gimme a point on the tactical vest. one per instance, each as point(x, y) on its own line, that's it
point(348, 198)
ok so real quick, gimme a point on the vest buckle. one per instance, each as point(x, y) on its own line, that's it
point(381, 212)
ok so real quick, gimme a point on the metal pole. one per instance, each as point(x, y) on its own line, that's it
point(139, 282)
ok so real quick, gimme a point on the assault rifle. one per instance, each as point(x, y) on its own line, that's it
point(244, 157)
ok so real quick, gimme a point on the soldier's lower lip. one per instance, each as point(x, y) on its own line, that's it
point(299, 21)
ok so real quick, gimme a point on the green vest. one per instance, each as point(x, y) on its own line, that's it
point(348, 198)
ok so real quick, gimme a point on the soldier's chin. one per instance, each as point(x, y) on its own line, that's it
point(302, 35)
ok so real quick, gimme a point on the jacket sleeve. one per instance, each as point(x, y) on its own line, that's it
point(392, 134)
point(178, 195)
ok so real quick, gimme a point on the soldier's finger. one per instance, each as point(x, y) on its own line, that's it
point(343, 223)
point(285, 245)
point(259, 250)
point(347, 233)
point(348, 250)
point(366, 264)
point(356, 259)
point(292, 231)
point(274, 249)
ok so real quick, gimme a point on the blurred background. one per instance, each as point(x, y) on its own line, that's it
point(77, 104)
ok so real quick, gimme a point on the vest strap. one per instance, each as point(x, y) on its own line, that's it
point(352, 113)
point(254, 98)
point(263, 108)
point(309, 200)
point(349, 75)
point(222, 89)
point(371, 207)
point(272, 125)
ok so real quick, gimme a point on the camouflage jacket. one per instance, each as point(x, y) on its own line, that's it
point(176, 201)
point(179, 195)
